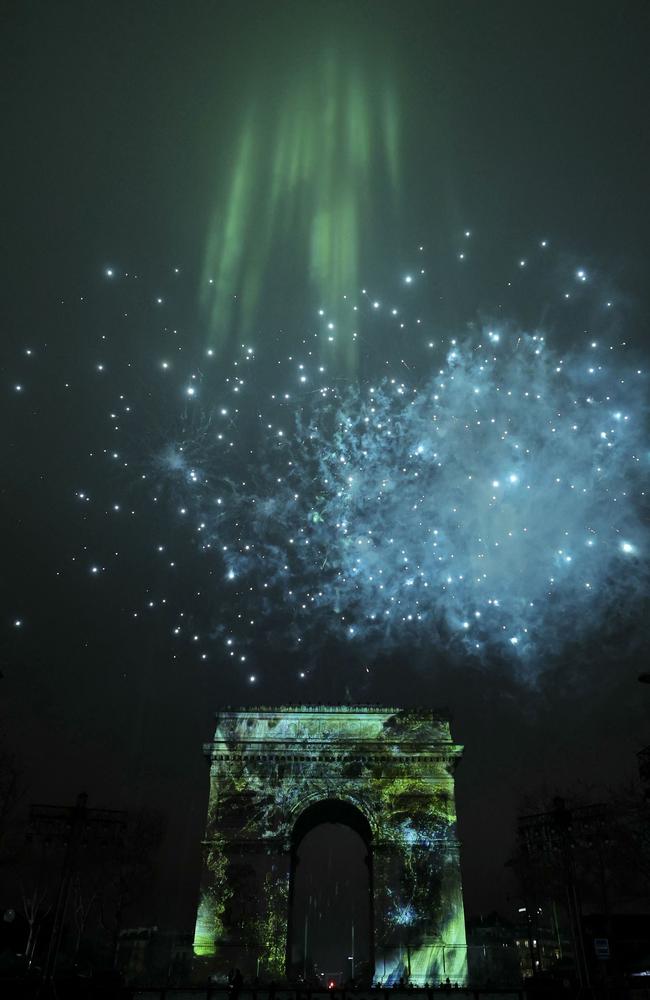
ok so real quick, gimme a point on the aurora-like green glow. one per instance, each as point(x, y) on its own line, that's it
point(315, 168)
point(394, 767)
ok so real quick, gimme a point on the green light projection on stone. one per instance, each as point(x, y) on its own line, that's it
point(314, 174)
point(269, 769)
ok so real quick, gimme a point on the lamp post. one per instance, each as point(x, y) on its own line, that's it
point(643, 756)
point(71, 825)
point(555, 834)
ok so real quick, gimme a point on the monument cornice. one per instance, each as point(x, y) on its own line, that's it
point(220, 750)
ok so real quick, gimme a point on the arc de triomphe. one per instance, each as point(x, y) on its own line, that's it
point(277, 772)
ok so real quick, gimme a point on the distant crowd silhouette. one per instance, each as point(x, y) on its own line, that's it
point(303, 989)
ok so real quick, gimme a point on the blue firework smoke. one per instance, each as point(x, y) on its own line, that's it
point(495, 506)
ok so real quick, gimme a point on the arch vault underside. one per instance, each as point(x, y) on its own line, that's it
point(269, 765)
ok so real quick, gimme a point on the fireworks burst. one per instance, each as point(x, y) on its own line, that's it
point(495, 505)
point(479, 491)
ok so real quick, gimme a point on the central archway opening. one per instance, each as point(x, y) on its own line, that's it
point(331, 904)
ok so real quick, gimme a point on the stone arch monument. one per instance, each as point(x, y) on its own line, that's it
point(274, 774)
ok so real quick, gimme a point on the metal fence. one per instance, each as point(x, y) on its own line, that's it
point(218, 993)
point(80, 990)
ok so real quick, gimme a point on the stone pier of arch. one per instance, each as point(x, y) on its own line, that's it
point(273, 771)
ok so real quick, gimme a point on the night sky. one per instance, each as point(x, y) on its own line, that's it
point(324, 378)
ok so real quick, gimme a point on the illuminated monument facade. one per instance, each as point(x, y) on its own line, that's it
point(275, 774)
